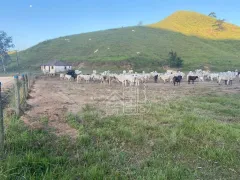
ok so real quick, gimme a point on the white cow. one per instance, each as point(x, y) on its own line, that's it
point(201, 78)
point(78, 72)
point(68, 77)
point(130, 79)
point(62, 76)
point(227, 77)
point(97, 77)
point(165, 77)
point(130, 71)
point(80, 77)
point(213, 76)
point(122, 79)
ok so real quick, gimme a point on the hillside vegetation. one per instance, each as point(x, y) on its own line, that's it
point(195, 24)
point(117, 47)
point(143, 48)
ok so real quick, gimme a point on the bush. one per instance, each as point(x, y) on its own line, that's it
point(174, 60)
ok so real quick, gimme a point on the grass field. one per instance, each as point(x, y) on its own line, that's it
point(193, 137)
point(153, 44)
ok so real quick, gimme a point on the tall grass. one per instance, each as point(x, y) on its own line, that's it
point(190, 138)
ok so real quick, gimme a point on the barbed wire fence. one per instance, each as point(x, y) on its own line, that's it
point(13, 95)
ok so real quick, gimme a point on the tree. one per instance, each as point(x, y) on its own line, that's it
point(5, 45)
point(219, 24)
point(174, 60)
point(213, 14)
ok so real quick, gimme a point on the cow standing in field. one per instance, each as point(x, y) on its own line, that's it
point(177, 79)
point(69, 77)
point(192, 78)
point(155, 78)
point(228, 82)
point(72, 74)
point(238, 75)
point(62, 76)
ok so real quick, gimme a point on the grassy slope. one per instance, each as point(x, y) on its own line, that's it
point(190, 138)
point(153, 44)
point(195, 24)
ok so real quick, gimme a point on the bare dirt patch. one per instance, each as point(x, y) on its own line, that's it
point(53, 98)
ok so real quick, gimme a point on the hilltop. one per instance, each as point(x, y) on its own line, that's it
point(141, 48)
point(196, 24)
point(11, 52)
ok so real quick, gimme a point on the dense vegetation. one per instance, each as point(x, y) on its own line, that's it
point(195, 24)
point(174, 60)
point(117, 49)
point(5, 45)
point(190, 138)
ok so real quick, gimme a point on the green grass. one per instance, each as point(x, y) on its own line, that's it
point(190, 138)
point(153, 44)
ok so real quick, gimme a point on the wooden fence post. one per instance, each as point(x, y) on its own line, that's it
point(1, 124)
point(17, 96)
point(26, 81)
point(24, 88)
point(29, 80)
point(26, 85)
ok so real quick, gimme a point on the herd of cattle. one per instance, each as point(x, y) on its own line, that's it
point(131, 78)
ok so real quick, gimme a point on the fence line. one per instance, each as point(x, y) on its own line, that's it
point(19, 88)
point(15, 96)
point(1, 125)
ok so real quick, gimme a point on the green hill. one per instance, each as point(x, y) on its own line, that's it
point(117, 48)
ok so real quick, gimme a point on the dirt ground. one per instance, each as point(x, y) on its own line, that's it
point(53, 98)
